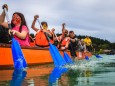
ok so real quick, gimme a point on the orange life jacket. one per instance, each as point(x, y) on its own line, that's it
point(32, 44)
point(63, 40)
point(41, 39)
point(32, 41)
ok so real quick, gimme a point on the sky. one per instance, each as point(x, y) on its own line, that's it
point(95, 18)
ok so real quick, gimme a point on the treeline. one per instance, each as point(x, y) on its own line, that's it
point(96, 42)
point(100, 43)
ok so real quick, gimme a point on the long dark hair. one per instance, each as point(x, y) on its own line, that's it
point(22, 19)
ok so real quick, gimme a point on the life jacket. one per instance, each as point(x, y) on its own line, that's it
point(32, 41)
point(63, 40)
point(41, 39)
point(87, 41)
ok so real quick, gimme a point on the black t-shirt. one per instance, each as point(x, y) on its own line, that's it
point(4, 36)
point(76, 41)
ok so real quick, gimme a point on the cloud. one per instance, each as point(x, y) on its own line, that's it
point(93, 17)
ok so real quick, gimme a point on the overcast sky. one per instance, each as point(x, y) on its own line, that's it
point(85, 17)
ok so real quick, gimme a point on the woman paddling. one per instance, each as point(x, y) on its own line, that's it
point(19, 28)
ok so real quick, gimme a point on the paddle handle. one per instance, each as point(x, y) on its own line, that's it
point(56, 37)
point(7, 18)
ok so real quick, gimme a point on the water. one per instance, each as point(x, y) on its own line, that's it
point(93, 72)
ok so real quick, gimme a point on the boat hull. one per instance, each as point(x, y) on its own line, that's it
point(33, 55)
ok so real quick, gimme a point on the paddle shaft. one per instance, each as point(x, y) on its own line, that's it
point(39, 24)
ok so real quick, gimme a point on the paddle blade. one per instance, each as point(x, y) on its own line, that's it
point(86, 57)
point(57, 58)
point(56, 63)
point(67, 58)
point(18, 57)
point(97, 56)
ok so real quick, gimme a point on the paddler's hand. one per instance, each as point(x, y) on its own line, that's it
point(63, 24)
point(53, 30)
point(12, 32)
point(35, 17)
point(5, 6)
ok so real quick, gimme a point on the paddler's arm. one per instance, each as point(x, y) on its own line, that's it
point(63, 26)
point(2, 16)
point(74, 40)
point(33, 23)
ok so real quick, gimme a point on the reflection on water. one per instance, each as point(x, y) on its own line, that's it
point(93, 72)
point(56, 74)
point(18, 77)
point(34, 76)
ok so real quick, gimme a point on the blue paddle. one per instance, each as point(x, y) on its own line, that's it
point(86, 57)
point(57, 58)
point(18, 57)
point(67, 58)
point(98, 56)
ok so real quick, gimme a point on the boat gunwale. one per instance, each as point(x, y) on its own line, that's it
point(28, 47)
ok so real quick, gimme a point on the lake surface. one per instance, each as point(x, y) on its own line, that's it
point(93, 72)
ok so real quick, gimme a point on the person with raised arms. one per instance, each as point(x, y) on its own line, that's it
point(43, 34)
point(63, 38)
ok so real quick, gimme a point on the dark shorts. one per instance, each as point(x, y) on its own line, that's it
point(4, 36)
point(72, 49)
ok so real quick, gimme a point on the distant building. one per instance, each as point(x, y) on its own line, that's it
point(109, 52)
